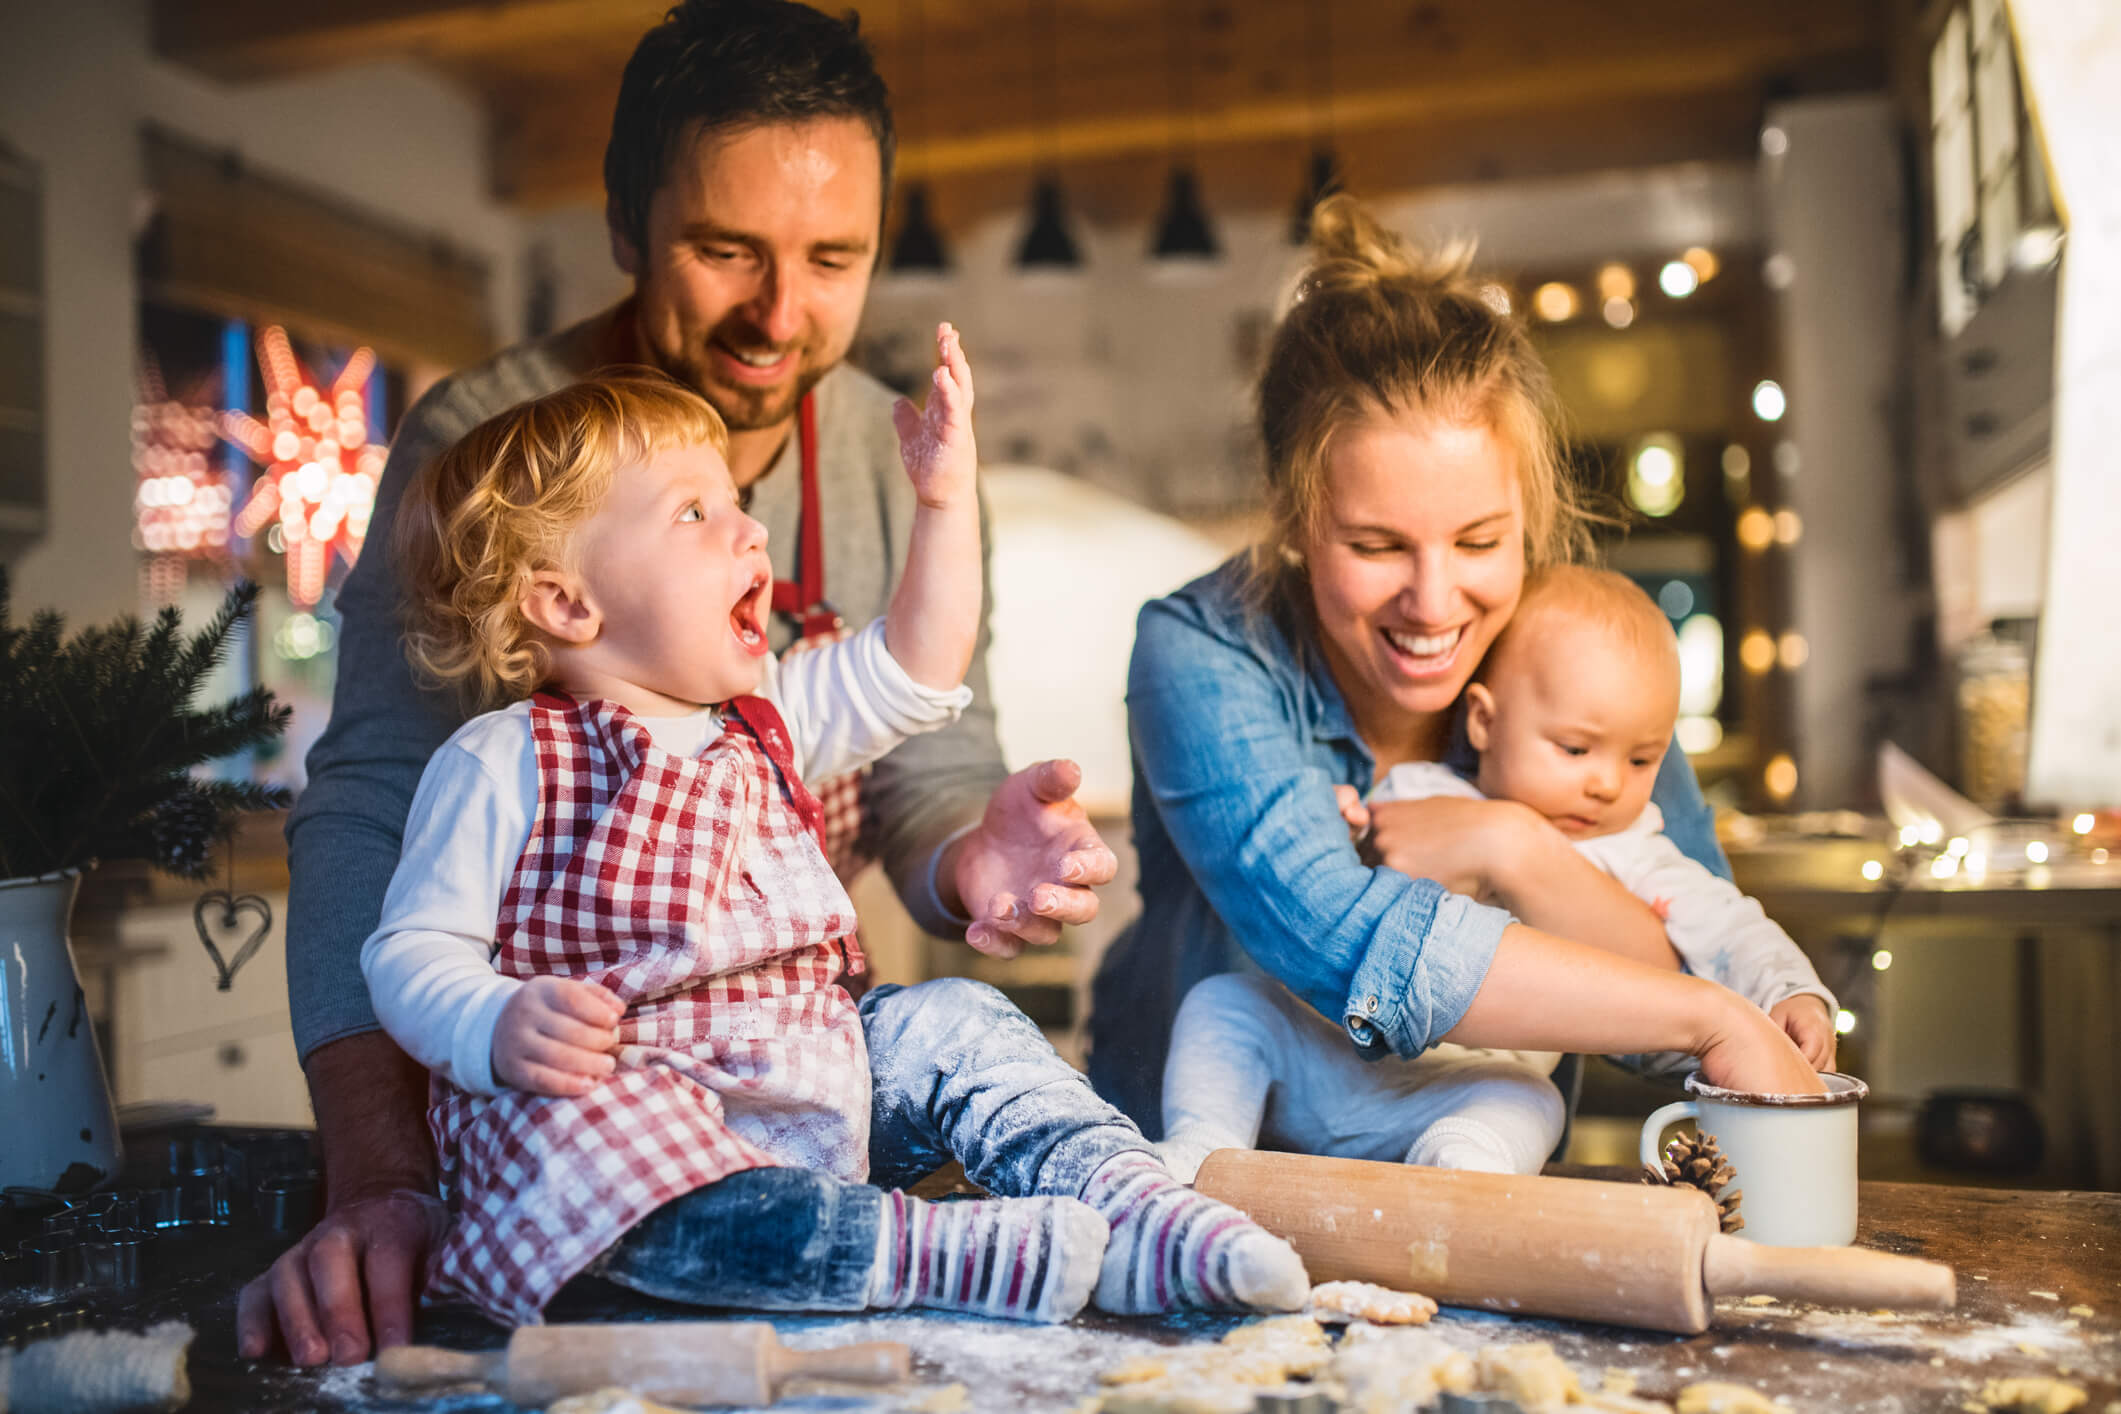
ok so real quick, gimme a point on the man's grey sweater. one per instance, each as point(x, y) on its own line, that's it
point(344, 835)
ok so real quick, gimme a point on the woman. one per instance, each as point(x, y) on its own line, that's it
point(1413, 478)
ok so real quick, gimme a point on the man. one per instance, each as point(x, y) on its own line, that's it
point(746, 175)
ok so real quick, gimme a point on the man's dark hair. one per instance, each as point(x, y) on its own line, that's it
point(717, 65)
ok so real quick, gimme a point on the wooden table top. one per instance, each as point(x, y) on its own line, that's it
point(2025, 1260)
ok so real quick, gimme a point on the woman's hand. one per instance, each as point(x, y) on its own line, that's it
point(1746, 1049)
point(556, 1036)
point(1504, 853)
point(1459, 843)
point(1809, 1024)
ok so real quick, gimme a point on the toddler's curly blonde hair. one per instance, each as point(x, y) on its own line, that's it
point(504, 503)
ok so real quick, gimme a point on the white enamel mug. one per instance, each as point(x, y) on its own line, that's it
point(1794, 1156)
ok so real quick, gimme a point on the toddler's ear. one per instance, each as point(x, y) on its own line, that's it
point(1480, 715)
point(557, 605)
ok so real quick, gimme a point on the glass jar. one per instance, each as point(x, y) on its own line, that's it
point(1995, 701)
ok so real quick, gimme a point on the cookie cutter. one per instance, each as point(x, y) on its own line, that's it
point(93, 1240)
point(1315, 1401)
point(1479, 1404)
point(288, 1203)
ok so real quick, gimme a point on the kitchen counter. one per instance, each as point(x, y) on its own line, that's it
point(2025, 1260)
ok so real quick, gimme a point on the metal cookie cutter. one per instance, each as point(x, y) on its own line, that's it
point(76, 1251)
point(1315, 1401)
point(1480, 1404)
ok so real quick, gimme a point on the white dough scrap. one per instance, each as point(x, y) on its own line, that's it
point(1393, 1370)
point(1342, 1301)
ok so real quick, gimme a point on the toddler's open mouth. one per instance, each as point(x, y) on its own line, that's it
point(748, 619)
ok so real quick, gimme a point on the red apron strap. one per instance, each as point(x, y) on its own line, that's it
point(763, 720)
point(805, 595)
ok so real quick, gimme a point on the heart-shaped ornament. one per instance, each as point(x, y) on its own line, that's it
point(242, 921)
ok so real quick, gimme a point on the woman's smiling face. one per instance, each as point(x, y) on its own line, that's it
point(1416, 563)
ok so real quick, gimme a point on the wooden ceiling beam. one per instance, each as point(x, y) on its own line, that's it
point(550, 149)
point(253, 39)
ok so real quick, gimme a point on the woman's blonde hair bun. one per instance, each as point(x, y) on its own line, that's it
point(1382, 325)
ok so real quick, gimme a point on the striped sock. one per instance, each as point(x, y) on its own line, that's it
point(1171, 1247)
point(1029, 1259)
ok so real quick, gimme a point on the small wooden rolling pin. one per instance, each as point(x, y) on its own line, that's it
point(681, 1362)
point(1625, 1253)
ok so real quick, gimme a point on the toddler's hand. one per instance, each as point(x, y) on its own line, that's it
point(1748, 1051)
point(936, 441)
point(556, 1036)
point(1810, 1025)
point(1353, 811)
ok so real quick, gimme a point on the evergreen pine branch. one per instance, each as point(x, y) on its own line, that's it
point(99, 734)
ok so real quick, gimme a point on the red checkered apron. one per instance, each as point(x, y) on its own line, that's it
point(840, 798)
point(696, 890)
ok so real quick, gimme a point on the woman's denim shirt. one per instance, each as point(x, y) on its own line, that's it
point(1238, 740)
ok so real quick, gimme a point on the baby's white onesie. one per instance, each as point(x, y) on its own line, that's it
point(1249, 1061)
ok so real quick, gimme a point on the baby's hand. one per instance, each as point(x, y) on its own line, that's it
point(1353, 811)
point(1810, 1025)
point(1749, 1052)
point(936, 441)
point(556, 1036)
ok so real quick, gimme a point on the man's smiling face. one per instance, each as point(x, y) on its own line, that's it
point(756, 262)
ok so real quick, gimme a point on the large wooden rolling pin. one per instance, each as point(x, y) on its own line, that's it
point(681, 1362)
point(1626, 1253)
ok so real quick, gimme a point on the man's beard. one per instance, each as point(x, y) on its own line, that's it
point(747, 409)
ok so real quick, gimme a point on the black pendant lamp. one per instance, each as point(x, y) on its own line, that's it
point(1324, 178)
point(1323, 182)
point(1047, 244)
point(1183, 232)
point(919, 247)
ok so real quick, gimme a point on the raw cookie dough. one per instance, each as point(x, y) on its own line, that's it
point(1389, 1370)
point(612, 1399)
point(1716, 1397)
point(1343, 1301)
point(2033, 1394)
point(1530, 1374)
point(1209, 1379)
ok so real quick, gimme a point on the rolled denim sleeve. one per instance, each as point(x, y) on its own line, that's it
point(1219, 744)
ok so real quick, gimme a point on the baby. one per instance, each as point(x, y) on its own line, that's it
point(614, 938)
point(1571, 714)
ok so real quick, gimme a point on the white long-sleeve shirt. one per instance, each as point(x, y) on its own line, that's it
point(1717, 931)
point(429, 963)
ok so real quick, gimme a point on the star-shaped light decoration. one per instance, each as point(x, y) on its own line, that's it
point(320, 470)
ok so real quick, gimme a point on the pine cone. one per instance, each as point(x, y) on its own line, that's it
point(183, 828)
point(1695, 1161)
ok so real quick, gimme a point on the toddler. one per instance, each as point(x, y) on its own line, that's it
point(614, 938)
point(1571, 714)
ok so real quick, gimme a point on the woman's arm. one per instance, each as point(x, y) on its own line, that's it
point(1547, 993)
point(1500, 850)
point(1225, 753)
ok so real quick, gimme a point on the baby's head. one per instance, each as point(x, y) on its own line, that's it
point(1573, 707)
point(589, 539)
